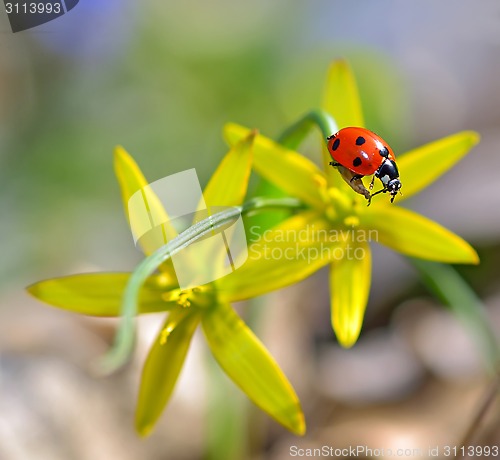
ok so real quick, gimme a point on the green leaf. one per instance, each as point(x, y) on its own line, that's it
point(452, 290)
point(284, 255)
point(414, 235)
point(228, 185)
point(285, 168)
point(163, 366)
point(247, 362)
point(100, 294)
point(350, 277)
point(341, 96)
point(422, 166)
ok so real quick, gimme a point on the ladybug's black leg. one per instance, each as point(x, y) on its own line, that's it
point(334, 163)
point(372, 182)
point(356, 177)
point(384, 190)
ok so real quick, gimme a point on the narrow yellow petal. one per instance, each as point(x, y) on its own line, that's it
point(288, 170)
point(415, 235)
point(132, 180)
point(341, 100)
point(162, 368)
point(100, 294)
point(247, 362)
point(350, 278)
point(341, 96)
point(228, 184)
point(227, 187)
point(283, 255)
point(129, 177)
point(422, 166)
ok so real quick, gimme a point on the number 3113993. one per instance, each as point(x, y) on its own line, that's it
point(32, 8)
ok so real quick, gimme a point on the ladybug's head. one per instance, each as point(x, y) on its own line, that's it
point(389, 175)
point(393, 188)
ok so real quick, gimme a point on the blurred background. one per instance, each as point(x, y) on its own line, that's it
point(161, 79)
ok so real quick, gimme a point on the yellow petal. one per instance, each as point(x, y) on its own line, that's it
point(132, 180)
point(341, 100)
point(341, 96)
point(228, 184)
point(414, 235)
point(285, 168)
point(350, 277)
point(247, 362)
point(284, 255)
point(422, 166)
point(227, 187)
point(100, 294)
point(162, 368)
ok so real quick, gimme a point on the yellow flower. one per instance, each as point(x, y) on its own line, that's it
point(335, 228)
point(238, 351)
point(340, 225)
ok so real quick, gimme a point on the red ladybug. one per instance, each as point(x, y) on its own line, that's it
point(358, 152)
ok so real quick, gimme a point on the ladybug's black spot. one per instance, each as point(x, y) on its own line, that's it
point(336, 144)
point(384, 152)
point(360, 140)
point(357, 161)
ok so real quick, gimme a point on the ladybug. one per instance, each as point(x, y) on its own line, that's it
point(358, 152)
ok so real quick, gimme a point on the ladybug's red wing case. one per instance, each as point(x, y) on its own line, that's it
point(358, 152)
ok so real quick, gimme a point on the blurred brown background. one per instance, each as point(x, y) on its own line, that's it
point(161, 78)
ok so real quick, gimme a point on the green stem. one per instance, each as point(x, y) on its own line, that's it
point(449, 287)
point(124, 339)
point(296, 133)
point(291, 138)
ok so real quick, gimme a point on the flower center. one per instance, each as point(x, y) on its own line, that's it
point(200, 296)
point(351, 221)
point(341, 209)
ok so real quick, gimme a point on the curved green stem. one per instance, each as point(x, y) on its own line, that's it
point(449, 287)
point(124, 339)
point(296, 133)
